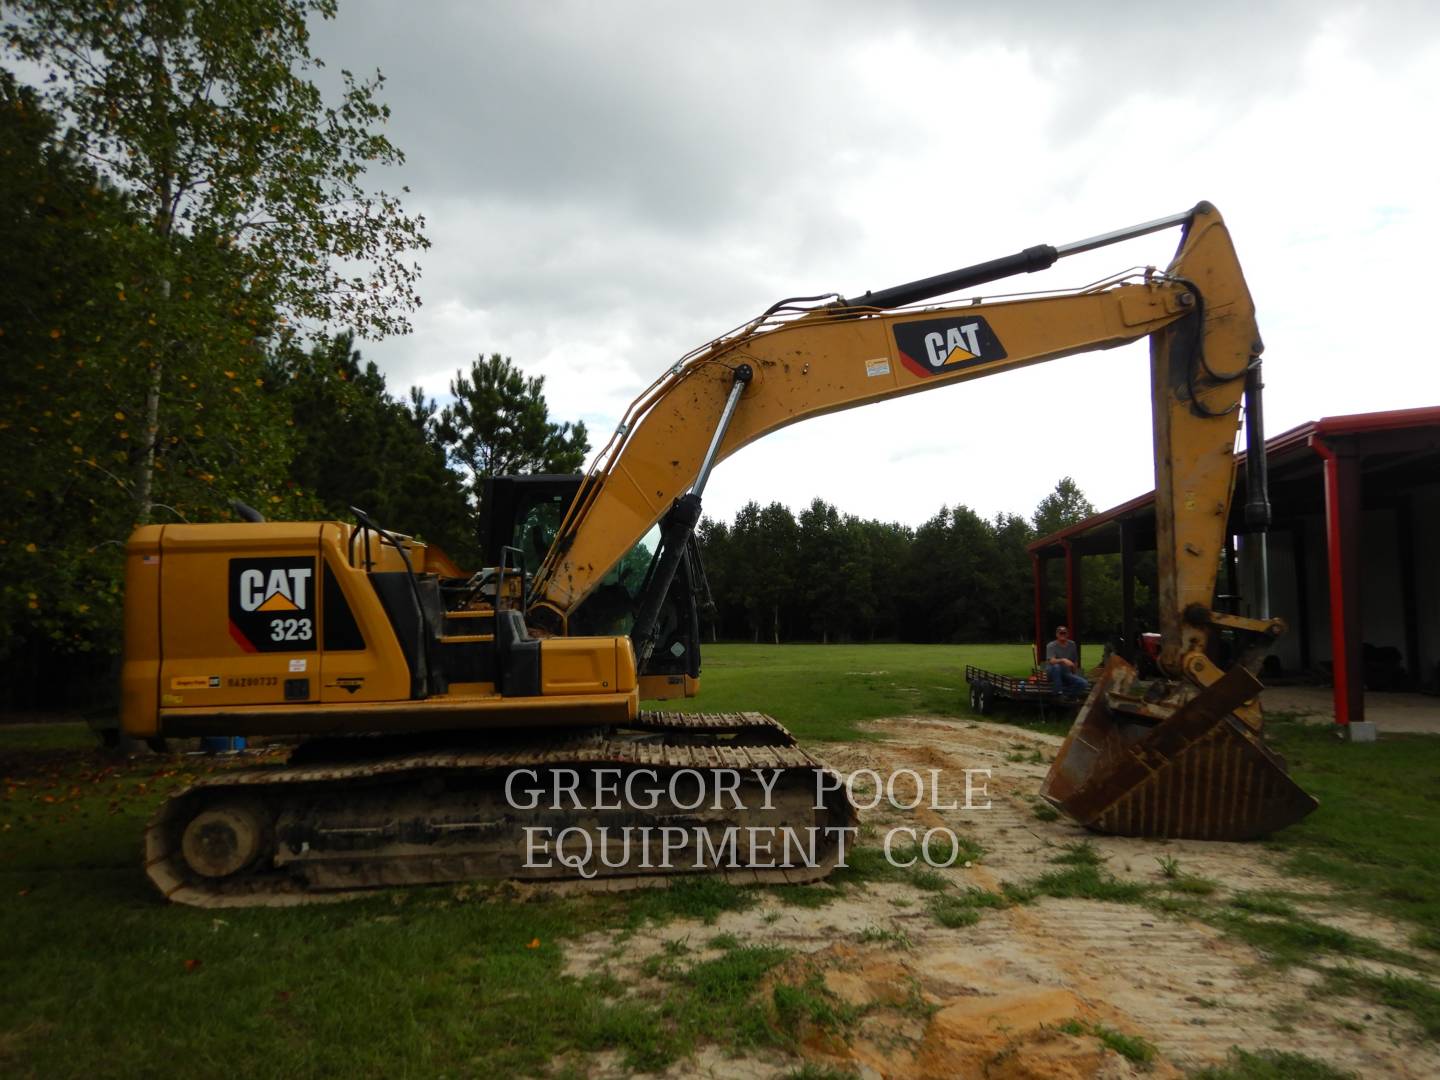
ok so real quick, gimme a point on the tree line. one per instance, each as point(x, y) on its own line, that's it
point(184, 224)
point(823, 575)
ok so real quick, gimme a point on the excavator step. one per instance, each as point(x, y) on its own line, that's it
point(361, 814)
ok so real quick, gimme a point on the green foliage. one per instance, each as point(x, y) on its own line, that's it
point(704, 897)
point(1263, 904)
point(356, 445)
point(1419, 999)
point(499, 424)
point(833, 572)
point(879, 935)
point(1064, 506)
point(1297, 939)
point(824, 691)
point(811, 1004)
point(148, 372)
point(1376, 835)
point(1084, 877)
point(947, 586)
point(963, 909)
point(177, 199)
point(1271, 1065)
point(756, 562)
point(1131, 1047)
point(832, 577)
point(1192, 885)
point(929, 880)
point(80, 342)
point(247, 203)
point(205, 116)
point(1079, 853)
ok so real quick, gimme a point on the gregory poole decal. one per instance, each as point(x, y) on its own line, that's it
point(272, 604)
point(941, 346)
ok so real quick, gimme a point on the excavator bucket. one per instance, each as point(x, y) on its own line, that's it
point(1196, 771)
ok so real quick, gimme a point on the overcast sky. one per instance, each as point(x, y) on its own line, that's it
point(608, 185)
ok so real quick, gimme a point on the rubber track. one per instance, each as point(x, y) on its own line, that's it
point(759, 742)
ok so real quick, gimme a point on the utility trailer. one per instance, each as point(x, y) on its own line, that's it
point(988, 687)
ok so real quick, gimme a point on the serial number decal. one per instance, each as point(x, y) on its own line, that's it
point(252, 680)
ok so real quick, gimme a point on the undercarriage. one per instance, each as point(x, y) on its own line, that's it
point(667, 794)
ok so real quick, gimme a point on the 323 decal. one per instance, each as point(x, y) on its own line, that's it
point(272, 604)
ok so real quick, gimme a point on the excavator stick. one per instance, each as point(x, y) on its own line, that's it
point(1183, 756)
point(1191, 771)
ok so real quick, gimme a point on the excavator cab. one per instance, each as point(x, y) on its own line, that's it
point(523, 514)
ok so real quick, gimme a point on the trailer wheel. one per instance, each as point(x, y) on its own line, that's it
point(984, 704)
point(974, 699)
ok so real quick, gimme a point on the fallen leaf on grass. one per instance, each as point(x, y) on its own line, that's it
point(191, 965)
point(534, 943)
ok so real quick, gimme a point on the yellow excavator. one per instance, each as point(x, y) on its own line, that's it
point(422, 692)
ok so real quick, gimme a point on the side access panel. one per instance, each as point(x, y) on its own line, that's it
point(239, 614)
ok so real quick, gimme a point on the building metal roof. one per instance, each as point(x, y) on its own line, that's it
point(1282, 446)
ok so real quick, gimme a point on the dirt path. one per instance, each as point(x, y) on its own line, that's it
point(987, 1000)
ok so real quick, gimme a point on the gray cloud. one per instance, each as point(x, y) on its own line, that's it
point(611, 184)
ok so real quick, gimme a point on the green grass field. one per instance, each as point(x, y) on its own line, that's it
point(98, 977)
point(822, 692)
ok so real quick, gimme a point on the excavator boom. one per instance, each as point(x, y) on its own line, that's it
point(1198, 314)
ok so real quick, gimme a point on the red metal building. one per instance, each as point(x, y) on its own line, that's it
point(1354, 553)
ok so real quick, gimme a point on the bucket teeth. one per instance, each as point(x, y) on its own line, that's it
point(1199, 773)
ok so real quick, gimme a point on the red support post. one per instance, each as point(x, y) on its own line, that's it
point(1038, 566)
point(1072, 595)
point(1127, 591)
point(1342, 535)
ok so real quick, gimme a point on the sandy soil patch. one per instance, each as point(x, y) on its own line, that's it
point(986, 1000)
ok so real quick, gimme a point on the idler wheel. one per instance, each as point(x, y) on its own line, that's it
point(222, 840)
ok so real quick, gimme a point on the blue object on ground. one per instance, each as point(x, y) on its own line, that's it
point(221, 744)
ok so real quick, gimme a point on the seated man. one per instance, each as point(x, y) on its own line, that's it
point(1062, 664)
